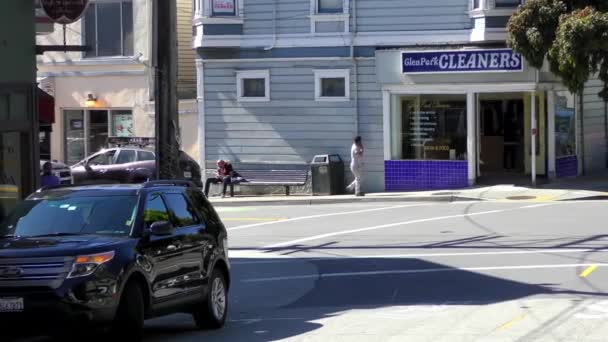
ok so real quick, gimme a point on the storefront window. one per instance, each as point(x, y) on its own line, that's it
point(87, 131)
point(565, 125)
point(122, 123)
point(74, 136)
point(430, 127)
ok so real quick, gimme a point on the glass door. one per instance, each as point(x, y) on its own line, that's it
point(87, 131)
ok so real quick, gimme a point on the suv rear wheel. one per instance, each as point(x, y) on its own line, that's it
point(212, 311)
point(129, 321)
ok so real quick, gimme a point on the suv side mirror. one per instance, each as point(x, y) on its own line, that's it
point(161, 228)
point(87, 166)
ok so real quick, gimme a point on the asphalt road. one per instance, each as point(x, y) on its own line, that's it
point(464, 271)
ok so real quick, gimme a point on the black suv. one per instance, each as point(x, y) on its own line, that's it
point(114, 255)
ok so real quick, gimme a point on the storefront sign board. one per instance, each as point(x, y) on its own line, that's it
point(461, 61)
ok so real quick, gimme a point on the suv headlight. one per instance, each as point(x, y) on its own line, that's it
point(87, 264)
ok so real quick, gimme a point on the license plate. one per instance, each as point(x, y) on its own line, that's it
point(11, 304)
point(187, 174)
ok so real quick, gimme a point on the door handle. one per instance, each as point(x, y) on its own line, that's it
point(174, 246)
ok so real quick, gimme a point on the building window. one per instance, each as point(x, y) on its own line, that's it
point(507, 3)
point(329, 16)
point(108, 28)
point(223, 8)
point(253, 85)
point(87, 131)
point(330, 6)
point(332, 85)
point(429, 127)
point(565, 124)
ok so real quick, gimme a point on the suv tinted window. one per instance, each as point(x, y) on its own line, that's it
point(105, 158)
point(145, 155)
point(184, 215)
point(203, 206)
point(155, 210)
point(126, 156)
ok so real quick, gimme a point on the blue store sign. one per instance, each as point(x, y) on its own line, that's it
point(428, 62)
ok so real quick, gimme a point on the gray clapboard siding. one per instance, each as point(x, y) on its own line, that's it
point(292, 127)
point(594, 127)
point(411, 15)
point(371, 124)
point(292, 16)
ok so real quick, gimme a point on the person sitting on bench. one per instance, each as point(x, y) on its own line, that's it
point(225, 173)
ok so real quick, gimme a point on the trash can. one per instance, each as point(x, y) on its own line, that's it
point(327, 175)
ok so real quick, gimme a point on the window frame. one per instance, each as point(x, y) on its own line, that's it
point(252, 74)
point(320, 74)
point(122, 33)
point(316, 16)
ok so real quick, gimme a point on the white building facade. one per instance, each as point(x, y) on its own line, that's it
point(107, 91)
point(436, 95)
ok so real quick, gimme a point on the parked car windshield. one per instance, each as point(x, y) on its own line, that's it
point(108, 215)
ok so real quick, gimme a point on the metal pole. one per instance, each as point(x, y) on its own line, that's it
point(165, 99)
point(533, 136)
point(471, 133)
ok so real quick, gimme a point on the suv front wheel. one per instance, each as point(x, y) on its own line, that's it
point(212, 311)
point(129, 321)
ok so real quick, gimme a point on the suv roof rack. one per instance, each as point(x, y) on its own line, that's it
point(169, 182)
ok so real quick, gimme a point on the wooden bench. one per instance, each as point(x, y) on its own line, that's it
point(273, 177)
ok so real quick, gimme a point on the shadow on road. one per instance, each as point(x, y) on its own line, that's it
point(274, 299)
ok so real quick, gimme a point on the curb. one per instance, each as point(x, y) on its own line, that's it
point(313, 201)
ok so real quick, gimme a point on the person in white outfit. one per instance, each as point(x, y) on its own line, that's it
point(356, 166)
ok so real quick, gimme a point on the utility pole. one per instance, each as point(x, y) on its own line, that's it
point(165, 88)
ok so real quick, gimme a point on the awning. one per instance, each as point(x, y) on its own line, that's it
point(46, 107)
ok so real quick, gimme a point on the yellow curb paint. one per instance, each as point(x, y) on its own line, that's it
point(544, 198)
point(511, 322)
point(588, 271)
point(253, 219)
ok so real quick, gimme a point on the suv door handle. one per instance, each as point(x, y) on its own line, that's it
point(174, 246)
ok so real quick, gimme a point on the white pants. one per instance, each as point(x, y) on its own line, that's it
point(356, 184)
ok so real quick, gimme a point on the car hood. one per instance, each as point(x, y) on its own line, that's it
point(58, 245)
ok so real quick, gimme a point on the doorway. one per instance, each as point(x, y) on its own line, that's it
point(504, 139)
point(501, 137)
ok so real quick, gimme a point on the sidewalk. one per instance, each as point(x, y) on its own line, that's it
point(504, 193)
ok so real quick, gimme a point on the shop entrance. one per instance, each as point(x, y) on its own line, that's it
point(503, 138)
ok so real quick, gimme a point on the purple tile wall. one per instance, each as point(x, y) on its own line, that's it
point(566, 167)
point(406, 175)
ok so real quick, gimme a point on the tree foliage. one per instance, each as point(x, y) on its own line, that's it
point(572, 35)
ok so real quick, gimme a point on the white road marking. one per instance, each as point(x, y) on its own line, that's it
point(284, 259)
point(390, 225)
point(597, 310)
point(415, 271)
point(327, 215)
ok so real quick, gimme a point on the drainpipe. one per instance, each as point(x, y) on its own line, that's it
point(355, 65)
point(274, 27)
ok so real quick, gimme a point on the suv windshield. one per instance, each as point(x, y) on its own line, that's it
point(109, 215)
